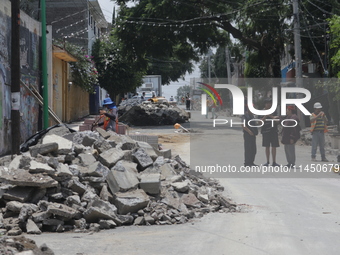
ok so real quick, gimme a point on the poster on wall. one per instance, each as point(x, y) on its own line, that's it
point(16, 101)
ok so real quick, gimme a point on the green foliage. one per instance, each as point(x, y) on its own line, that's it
point(197, 26)
point(254, 68)
point(116, 73)
point(334, 25)
point(84, 73)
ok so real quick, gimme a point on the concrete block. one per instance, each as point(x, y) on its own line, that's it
point(181, 187)
point(61, 210)
point(64, 145)
point(131, 201)
point(122, 178)
point(86, 159)
point(142, 158)
point(43, 149)
point(148, 149)
point(150, 183)
point(111, 157)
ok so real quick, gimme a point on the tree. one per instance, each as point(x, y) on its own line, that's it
point(186, 29)
point(116, 73)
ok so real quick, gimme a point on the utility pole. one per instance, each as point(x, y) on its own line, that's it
point(44, 63)
point(297, 49)
point(209, 72)
point(228, 64)
point(15, 76)
point(229, 74)
point(297, 44)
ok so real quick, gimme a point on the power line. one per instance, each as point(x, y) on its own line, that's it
point(317, 52)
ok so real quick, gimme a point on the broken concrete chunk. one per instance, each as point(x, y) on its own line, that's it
point(167, 171)
point(122, 178)
point(106, 206)
point(103, 133)
point(148, 149)
point(77, 186)
point(139, 221)
point(142, 158)
point(19, 162)
point(181, 186)
point(88, 141)
point(171, 199)
point(150, 183)
point(111, 157)
point(63, 172)
point(86, 159)
point(159, 161)
point(131, 201)
point(190, 200)
point(164, 153)
point(96, 169)
point(40, 216)
point(89, 196)
point(32, 228)
point(14, 231)
point(203, 197)
point(43, 149)
point(102, 146)
point(21, 194)
point(61, 210)
point(106, 195)
point(94, 214)
point(37, 167)
point(21, 177)
point(107, 224)
point(64, 145)
point(14, 206)
point(148, 219)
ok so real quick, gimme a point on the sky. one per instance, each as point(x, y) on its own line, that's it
point(168, 90)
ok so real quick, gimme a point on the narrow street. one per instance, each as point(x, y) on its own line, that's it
point(277, 215)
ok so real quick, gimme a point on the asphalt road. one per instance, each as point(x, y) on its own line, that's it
point(280, 213)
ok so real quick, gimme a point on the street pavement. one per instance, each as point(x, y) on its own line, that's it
point(279, 213)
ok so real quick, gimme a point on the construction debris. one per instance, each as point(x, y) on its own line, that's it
point(85, 182)
point(134, 112)
point(22, 246)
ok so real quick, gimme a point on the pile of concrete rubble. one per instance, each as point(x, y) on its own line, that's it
point(87, 181)
point(22, 246)
point(134, 112)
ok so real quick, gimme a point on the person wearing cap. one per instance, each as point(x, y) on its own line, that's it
point(290, 135)
point(109, 115)
point(318, 121)
point(270, 136)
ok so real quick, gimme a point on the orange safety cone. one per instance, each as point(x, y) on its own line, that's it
point(177, 126)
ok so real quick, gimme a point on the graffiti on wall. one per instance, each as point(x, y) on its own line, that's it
point(5, 102)
point(29, 61)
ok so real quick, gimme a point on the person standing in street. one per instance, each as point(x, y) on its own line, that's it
point(318, 129)
point(290, 135)
point(270, 136)
point(249, 136)
point(187, 101)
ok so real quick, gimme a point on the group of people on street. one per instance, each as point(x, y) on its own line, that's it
point(289, 136)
